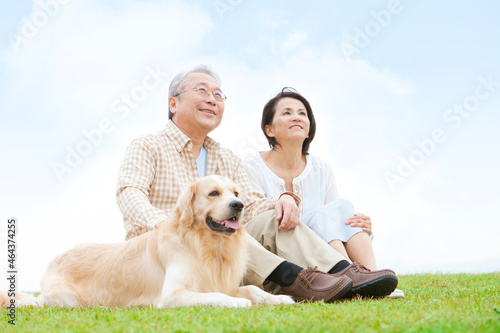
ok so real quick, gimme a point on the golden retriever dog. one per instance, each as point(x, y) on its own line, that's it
point(198, 257)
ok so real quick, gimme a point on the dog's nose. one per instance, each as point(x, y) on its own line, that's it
point(236, 205)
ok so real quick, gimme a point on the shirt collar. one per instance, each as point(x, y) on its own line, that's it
point(182, 141)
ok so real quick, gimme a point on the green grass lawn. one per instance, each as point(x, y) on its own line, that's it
point(433, 303)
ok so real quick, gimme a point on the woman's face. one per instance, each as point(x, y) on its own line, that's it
point(290, 121)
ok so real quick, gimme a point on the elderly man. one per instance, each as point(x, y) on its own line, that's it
point(157, 166)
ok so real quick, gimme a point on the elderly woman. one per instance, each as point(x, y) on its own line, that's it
point(289, 126)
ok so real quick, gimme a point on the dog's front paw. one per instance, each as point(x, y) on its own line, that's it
point(278, 299)
point(235, 302)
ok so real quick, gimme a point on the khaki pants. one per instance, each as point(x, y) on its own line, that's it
point(300, 246)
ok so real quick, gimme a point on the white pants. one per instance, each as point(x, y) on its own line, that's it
point(328, 221)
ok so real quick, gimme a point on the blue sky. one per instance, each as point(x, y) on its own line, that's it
point(406, 94)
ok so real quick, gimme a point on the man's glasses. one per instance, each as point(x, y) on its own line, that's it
point(218, 95)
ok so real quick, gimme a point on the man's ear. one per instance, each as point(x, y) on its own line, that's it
point(172, 104)
point(184, 207)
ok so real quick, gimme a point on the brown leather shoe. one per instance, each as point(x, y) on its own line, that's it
point(313, 285)
point(369, 283)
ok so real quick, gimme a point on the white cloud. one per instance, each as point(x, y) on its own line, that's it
point(295, 39)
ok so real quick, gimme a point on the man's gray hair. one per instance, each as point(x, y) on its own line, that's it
point(179, 81)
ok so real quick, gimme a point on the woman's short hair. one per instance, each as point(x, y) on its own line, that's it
point(179, 81)
point(270, 110)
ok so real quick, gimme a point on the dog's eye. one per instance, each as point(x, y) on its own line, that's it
point(214, 193)
point(236, 194)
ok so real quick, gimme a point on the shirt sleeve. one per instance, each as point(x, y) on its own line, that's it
point(135, 177)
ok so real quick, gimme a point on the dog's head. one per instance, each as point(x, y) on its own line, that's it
point(212, 202)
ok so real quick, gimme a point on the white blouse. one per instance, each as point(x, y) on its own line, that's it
point(315, 186)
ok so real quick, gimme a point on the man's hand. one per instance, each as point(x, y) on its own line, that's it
point(287, 212)
point(362, 221)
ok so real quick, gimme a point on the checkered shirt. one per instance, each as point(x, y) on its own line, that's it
point(158, 166)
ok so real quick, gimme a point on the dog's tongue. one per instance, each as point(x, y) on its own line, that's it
point(232, 224)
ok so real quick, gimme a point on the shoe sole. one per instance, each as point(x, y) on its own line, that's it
point(342, 293)
point(377, 288)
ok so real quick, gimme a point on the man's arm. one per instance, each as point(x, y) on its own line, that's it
point(135, 177)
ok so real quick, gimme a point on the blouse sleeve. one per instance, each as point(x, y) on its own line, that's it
point(331, 191)
point(253, 171)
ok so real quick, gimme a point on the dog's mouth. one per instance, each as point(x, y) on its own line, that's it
point(229, 226)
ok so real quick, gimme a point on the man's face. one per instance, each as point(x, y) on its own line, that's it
point(193, 112)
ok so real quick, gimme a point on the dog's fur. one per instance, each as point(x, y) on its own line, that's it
point(182, 262)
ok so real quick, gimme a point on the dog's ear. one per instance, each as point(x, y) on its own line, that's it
point(184, 208)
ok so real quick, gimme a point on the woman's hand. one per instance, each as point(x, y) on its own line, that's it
point(362, 221)
point(287, 212)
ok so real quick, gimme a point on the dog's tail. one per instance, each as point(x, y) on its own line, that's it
point(21, 299)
